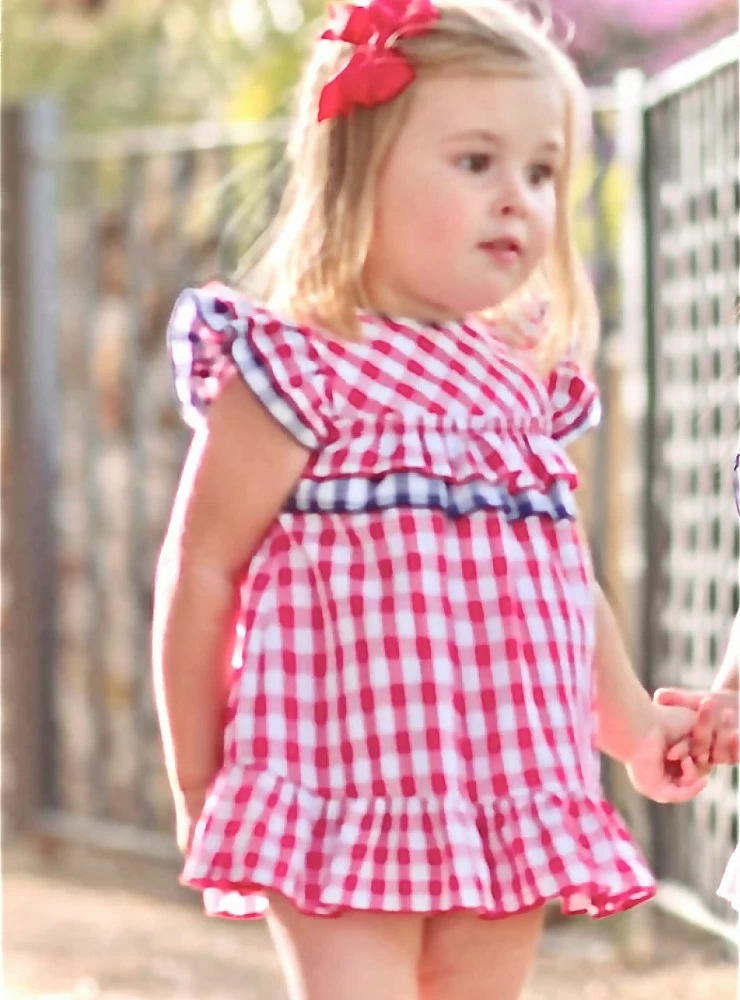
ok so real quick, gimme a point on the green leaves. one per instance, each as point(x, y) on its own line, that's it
point(149, 61)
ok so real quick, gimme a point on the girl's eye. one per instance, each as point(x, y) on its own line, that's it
point(475, 163)
point(541, 173)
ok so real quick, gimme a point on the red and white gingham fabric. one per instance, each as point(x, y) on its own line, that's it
point(410, 724)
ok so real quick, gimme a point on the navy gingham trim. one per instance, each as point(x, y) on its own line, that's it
point(412, 489)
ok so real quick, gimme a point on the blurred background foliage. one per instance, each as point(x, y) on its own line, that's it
point(119, 63)
point(116, 63)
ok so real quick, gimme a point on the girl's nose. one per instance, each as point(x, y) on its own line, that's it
point(510, 197)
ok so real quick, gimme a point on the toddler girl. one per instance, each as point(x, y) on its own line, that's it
point(383, 666)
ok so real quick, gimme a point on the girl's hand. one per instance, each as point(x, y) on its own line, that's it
point(188, 808)
point(714, 738)
point(656, 776)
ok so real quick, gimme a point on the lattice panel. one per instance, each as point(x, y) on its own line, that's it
point(695, 194)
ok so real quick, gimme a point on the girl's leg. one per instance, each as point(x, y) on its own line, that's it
point(355, 956)
point(467, 958)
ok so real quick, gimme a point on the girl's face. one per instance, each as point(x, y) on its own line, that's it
point(466, 200)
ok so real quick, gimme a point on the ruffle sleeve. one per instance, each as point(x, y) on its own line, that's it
point(214, 332)
point(574, 401)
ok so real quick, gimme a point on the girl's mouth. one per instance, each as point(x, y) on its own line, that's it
point(504, 250)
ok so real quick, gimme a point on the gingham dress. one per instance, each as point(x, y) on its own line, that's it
point(410, 723)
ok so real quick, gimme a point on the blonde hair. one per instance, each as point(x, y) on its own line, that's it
point(313, 265)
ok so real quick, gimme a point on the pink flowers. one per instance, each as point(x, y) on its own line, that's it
point(610, 34)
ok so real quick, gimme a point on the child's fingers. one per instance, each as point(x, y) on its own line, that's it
point(729, 720)
point(702, 734)
point(691, 772)
point(727, 742)
point(723, 751)
point(678, 698)
point(687, 773)
point(679, 750)
point(734, 749)
point(683, 793)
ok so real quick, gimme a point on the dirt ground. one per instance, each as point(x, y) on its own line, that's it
point(72, 938)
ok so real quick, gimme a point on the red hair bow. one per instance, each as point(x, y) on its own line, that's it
point(376, 73)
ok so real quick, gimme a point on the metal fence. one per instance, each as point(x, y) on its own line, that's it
point(692, 199)
point(115, 227)
point(101, 233)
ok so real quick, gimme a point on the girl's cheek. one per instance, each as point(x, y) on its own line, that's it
point(452, 212)
point(446, 226)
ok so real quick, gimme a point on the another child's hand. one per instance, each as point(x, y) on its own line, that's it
point(714, 738)
point(188, 808)
point(652, 772)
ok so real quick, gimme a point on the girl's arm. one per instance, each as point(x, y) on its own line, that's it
point(624, 710)
point(631, 728)
point(241, 467)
